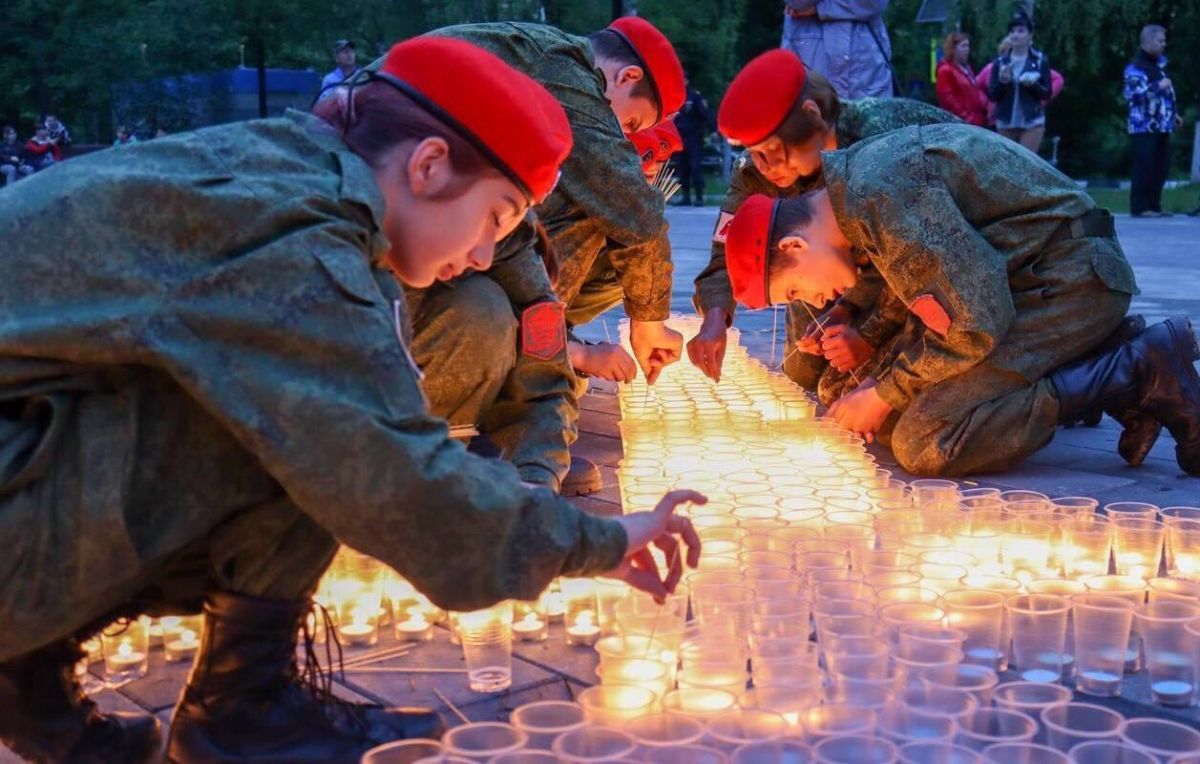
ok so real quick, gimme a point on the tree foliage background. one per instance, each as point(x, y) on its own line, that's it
point(64, 56)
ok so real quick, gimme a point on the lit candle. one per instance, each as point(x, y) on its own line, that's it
point(415, 628)
point(530, 628)
point(360, 630)
point(555, 605)
point(125, 658)
point(182, 646)
point(583, 630)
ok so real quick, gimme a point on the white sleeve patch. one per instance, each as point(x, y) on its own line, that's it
point(722, 229)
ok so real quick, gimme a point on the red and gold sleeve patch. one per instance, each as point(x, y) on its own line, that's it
point(544, 330)
point(932, 314)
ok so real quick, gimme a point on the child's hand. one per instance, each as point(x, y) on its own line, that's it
point(844, 348)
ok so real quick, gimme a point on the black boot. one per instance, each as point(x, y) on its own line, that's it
point(245, 701)
point(1139, 431)
point(1152, 374)
point(47, 717)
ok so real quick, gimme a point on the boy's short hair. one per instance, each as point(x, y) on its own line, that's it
point(793, 215)
point(608, 44)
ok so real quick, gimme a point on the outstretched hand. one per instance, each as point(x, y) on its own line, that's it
point(666, 530)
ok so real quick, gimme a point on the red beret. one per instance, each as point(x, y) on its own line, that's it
point(669, 139)
point(760, 97)
point(508, 116)
point(658, 60)
point(747, 243)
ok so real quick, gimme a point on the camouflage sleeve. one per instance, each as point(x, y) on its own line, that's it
point(603, 179)
point(884, 319)
point(534, 419)
point(947, 274)
point(312, 377)
point(713, 288)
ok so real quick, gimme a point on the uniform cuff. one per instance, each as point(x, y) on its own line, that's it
point(657, 312)
point(539, 475)
point(600, 548)
point(890, 392)
point(706, 301)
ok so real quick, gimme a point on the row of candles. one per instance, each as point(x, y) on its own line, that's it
point(839, 615)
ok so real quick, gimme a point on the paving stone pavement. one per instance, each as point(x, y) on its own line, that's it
point(1082, 461)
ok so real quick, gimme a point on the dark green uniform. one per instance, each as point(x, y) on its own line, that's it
point(607, 228)
point(975, 235)
point(204, 383)
point(877, 318)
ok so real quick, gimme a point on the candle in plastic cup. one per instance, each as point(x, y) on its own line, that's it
point(730, 677)
point(664, 731)
point(402, 752)
point(1160, 737)
point(873, 694)
point(938, 753)
point(1029, 697)
point(487, 647)
point(735, 728)
point(1173, 588)
point(903, 724)
point(929, 642)
point(1068, 724)
point(1138, 546)
point(836, 719)
point(614, 704)
point(1167, 645)
point(1129, 588)
point(1131, 509)
point(975, 679)
point(1112, 752)
point(482, 740)
point(1183, 549)
point(989, 726)
point(1086, 545)
point(790, 702)
point(855, 749)
point(771, 752)
point(594, 744)
point(543, 721)
point(652, 674)
point(1023, 753)
point(980, 615)
point(940, 701)
point(1102, 626)
point(1039, 631)
point(126, 647)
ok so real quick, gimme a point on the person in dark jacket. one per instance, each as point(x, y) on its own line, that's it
point(1152, 117)
point(695, 123)
point(12, 157)
point(1019, 86)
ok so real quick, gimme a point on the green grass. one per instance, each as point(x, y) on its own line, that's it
point(1181, 199)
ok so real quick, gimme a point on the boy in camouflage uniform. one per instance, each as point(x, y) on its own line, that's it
point(785, 114)
point(606, 227)
point(1013, 279)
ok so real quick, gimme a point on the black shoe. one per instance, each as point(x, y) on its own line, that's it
point(1139, 431)
point(48, 718)
point(1194, 213)
point(583, 478)
point(1151, 373)
point(245, 700)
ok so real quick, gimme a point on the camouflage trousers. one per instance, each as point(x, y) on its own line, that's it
point(465, 343)
point(992, 416)
point(123, 496)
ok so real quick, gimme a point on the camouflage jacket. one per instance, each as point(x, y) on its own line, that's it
point(858, 120)
point(947, 214)
point(239, 261)
point(602, 203)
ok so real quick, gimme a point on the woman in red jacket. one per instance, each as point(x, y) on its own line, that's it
point(956, 89)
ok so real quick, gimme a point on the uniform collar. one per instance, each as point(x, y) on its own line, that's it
point(357, 180)
point(835, 168)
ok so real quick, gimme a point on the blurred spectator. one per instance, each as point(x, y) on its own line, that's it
point(12, 157)
point(41, 150)
point(1152, 117)
point(58, 134)
point(346, 58)
point(1019, 84)
point(124, 137)
point(695, 123)
point(956, 89)
point(845, 40)
point(985, 74)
